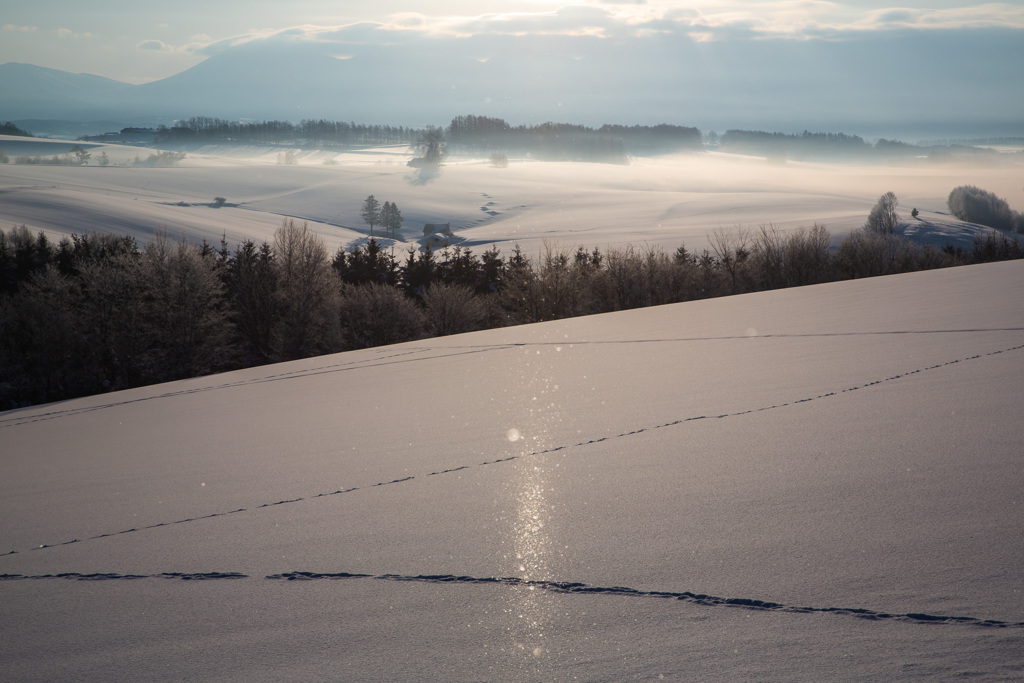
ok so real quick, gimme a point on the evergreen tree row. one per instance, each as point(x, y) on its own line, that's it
point(97, 313)
point(808, 145)
point(549, 141)
point(307, 132)
point(568, 142)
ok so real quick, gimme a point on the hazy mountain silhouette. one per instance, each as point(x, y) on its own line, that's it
point(38, 92)
point(360, 73)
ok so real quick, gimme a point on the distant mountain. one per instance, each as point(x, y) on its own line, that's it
point(35, 92)
point(864, 85)
point(267, 81)
point(407, 84)
point(262, 81)
point(293, 80)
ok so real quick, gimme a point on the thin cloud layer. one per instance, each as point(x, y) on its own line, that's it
point(984, 16)
point(154, 45)
point(799, 19)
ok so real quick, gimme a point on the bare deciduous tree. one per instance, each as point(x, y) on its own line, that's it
point(432, 146)
point(453, 309)
point(377, 314)
point(732, 249)
point(883, 219)
point(307, 292)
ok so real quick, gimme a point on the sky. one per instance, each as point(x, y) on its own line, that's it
point(931, 68)
point(140, 42)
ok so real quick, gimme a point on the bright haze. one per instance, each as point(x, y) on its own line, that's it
point(926, 69)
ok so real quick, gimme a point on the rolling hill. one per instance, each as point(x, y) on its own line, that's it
point(820, 483)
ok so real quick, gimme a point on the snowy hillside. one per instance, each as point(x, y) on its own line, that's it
point(664, 201)
point(821, 483)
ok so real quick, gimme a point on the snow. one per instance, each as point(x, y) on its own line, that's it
point(848, 446)
point(657, 201)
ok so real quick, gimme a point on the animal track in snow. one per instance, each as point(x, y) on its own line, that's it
point(553, 449)
point(75, 576)
point(560, 587)
point(16, 420)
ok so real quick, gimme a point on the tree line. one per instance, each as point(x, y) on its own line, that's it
point(315, 132)
point(8, 128)
point(783, 145)
point(95, 312)
point(568, 142)
point(465, 134)
point(808, 145)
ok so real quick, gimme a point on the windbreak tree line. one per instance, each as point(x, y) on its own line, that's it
point(808, 145)
point(762, 142)
point(568, 142)
point(95, 313)
point(548, 141)
point(318, 132)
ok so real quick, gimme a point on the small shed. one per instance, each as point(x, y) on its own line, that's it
point(437, 229)
point(435, 241)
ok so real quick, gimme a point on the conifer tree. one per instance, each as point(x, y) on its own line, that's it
point(371, 212)
point(390, 218)
point(419, 271)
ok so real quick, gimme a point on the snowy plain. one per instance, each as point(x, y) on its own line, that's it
point(661, 201)
point(820, 483)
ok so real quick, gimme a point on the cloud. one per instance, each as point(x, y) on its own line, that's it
point(154, 45)
point(896, 16)
point(22, 29)
point(406, 20)
point(207, 49)
point(572, 20)
point(640, 20)
point(980, 16)
point(805, 19)
point(66, 33)
point(360, 33)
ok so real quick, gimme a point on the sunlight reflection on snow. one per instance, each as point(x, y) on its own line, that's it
point(531, 611)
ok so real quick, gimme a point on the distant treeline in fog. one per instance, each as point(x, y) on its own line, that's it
point(8, 128)
point(307, 132)
point(809, 145)
point(568, 142)
point(610, 143)
point(465, 134)
point(998, 141)
point(96, 313)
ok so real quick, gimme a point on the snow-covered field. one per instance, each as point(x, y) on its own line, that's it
point(822, 483)
point(667, 201)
